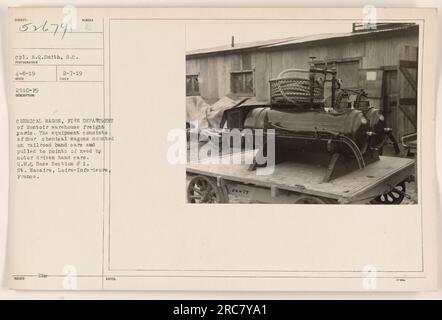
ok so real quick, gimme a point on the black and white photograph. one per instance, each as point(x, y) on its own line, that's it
point(302, 112)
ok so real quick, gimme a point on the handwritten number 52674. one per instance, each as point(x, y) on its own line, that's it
point(54, 28)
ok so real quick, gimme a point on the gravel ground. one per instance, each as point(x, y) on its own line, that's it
point(411, 193)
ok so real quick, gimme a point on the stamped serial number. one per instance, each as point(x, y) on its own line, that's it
point(222, 310)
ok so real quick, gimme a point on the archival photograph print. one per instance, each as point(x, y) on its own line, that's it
point(307, 112)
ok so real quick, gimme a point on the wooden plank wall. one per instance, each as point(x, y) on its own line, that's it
point(403, 124)
point(372, 81)
point(215, 70)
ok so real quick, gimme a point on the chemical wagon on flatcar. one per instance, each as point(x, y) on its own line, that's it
point(326, 150)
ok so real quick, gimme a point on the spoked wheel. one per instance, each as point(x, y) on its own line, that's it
point(203, 189)
point(310, 200)
point(395, 196)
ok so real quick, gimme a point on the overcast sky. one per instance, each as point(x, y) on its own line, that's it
point(211, 34)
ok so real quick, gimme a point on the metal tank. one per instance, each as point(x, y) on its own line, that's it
point(343, 135)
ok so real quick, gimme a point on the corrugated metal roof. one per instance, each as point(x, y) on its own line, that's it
point(326, 36)
point(238, 46)
point(291, 41)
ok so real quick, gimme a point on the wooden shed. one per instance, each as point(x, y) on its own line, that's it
point(382, 60)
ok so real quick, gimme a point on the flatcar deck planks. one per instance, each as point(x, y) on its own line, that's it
point(361, 184)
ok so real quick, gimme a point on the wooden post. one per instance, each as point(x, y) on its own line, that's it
point(333, 88)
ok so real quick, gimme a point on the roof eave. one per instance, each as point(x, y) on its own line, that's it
point(279, 46)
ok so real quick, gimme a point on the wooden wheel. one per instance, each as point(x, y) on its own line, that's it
point(394, 196)
point(204, 189)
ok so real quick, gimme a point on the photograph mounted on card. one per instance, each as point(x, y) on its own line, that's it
point(182, 149)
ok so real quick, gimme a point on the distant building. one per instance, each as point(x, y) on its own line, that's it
point(380, 58)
